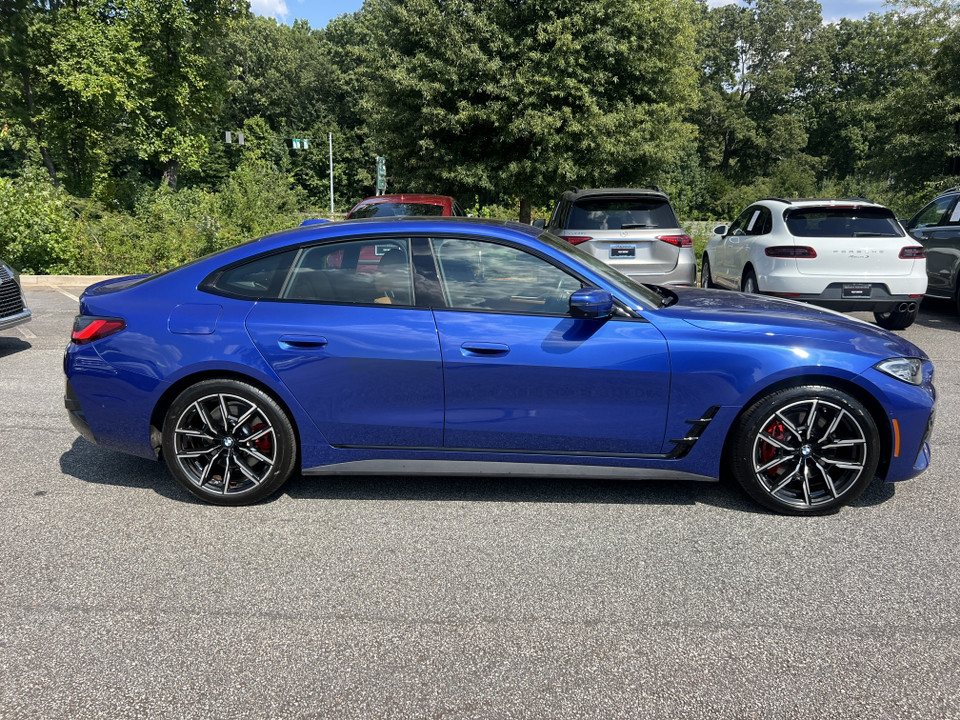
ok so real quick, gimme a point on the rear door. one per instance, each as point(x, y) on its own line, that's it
point(346, 337)
point(850, 241)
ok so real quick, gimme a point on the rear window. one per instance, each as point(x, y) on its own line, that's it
point(621, 213)
point(842, 222)
point(391, 209)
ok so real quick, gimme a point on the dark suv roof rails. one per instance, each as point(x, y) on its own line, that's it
point(948, 191)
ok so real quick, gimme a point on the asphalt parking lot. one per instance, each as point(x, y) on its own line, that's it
point(380, 597)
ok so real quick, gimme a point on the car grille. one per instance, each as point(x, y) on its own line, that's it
point(11, 301)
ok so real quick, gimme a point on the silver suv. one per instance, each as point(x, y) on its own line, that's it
point(633, 230)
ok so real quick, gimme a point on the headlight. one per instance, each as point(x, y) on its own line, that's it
point(909, 370)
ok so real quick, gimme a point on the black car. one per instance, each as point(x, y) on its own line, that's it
point(13, 308)
point(937, 228)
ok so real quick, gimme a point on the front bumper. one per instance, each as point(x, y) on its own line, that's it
point(13, 320)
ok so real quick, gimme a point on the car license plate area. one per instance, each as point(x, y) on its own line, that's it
point(623, 251)
point(851, 290)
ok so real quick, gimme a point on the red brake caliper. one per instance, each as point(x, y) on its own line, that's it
point(263, 443)
point(768, 452)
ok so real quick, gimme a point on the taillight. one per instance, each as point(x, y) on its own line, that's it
point(575, 239)
point(680, 241)
point(912, 252)
point(790, 251)
point(87, 328)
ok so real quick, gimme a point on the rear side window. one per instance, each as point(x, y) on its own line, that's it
point(260, 278)
point(391, 209)
point(842, 222)
point(363, 272)
point(621, 213)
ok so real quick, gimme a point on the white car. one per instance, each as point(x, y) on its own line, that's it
point(847, 255)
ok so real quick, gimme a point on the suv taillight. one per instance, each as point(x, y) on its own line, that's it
point(790, 251)
point(683, 240)
point(912, 252)
point(87, 328)
point(575, 239)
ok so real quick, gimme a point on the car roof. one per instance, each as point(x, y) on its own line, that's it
point(575, 194)
point(820, 202)
point(948, 191)
point(408, 198)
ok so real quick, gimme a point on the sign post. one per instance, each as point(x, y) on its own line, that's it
point(381, 175)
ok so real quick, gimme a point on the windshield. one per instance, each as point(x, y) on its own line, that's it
point(391, 209)
point(842, 222)
point(615, 278)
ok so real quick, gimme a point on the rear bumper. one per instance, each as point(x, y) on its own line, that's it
point(75, 413)
point(879, 297)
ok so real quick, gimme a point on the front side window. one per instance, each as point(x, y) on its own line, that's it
point(375, 271)
point(933, 214)
point(842, 222)
point(480, 275)
point(739, 226)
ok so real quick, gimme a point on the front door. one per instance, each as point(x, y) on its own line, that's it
point(522, 375)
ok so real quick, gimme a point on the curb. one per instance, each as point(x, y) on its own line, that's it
point(68, 280)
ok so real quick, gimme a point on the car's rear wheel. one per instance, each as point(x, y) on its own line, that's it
point(228, 442)
point(805, 450)
point(706, 280)
point(749, 283)
point(897, 319)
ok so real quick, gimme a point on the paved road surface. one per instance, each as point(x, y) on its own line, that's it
point(120, 597)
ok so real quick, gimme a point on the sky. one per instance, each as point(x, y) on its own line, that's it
point(319, 12)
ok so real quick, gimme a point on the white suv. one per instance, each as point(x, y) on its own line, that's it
point(847, 255)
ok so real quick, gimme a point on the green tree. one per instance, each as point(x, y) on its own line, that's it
point(526, 98)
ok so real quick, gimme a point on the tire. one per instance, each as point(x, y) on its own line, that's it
point(234, 463)
point(749, 283)
point(794, 467)
point(706, 280)
point(897, 320)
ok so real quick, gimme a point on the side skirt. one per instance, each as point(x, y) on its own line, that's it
point(460, 468)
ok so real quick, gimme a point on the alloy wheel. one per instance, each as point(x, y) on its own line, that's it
point(809, 453)
point(225, 444)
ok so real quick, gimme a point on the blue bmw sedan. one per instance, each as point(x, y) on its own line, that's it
point(447, 346)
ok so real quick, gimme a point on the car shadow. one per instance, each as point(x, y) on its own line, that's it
point(939, 314)
point(12, 345)
point(93, 464)
point(90, 463)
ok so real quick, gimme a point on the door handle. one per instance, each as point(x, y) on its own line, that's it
point(301, 342)
point(479, 349)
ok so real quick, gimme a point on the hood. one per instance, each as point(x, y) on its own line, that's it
point(726, 311)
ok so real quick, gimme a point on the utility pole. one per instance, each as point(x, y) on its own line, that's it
point(331, 172)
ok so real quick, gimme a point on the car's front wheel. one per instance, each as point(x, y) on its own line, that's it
point(749, 283)
point(228, 442)
point(897, 319)
point(805, 450)
point(706, 279)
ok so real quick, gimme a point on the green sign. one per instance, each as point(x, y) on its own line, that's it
point(381, 173)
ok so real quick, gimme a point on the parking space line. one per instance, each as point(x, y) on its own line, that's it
point(64, 292)
point(26, 333)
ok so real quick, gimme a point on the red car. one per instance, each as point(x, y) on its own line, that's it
point(406, 204)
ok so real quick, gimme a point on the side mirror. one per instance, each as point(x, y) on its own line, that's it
point(591, 302)
point(720, 230)
point(539, 223)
